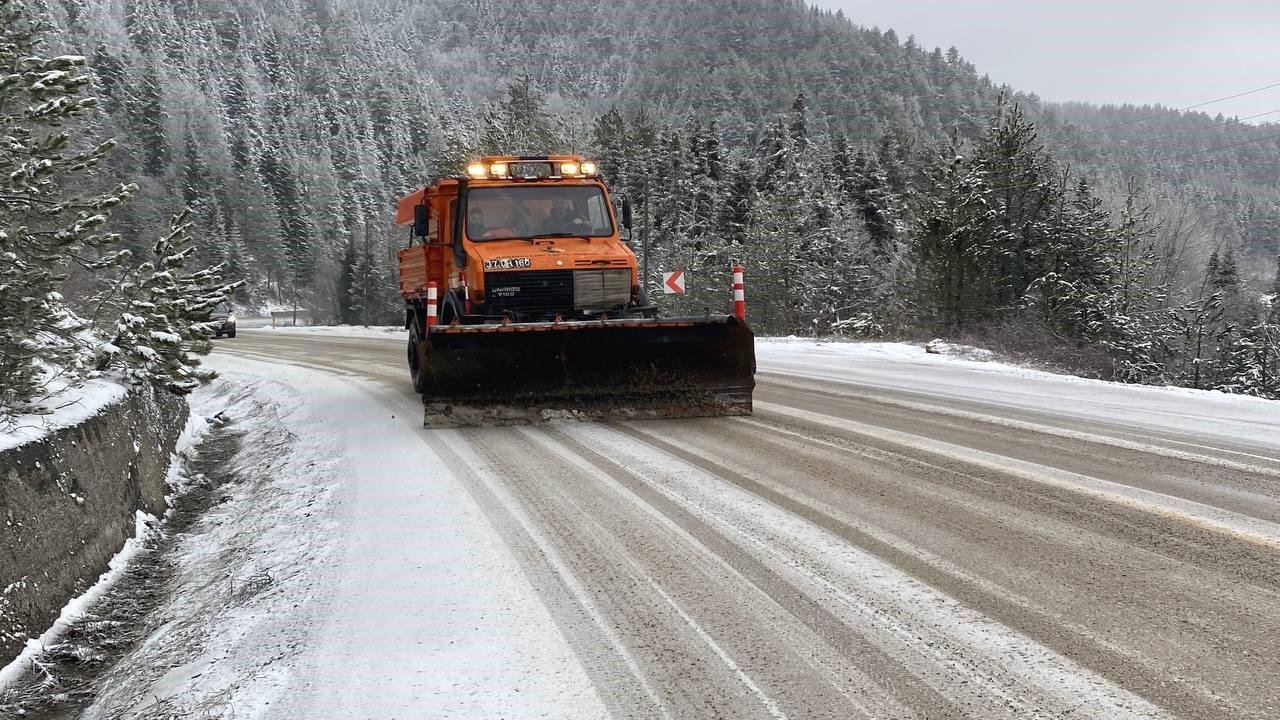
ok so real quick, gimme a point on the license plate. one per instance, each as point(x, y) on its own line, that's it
point(507, 263)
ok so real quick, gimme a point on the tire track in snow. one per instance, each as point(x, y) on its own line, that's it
point(964, 654)
point(850, 664)
point(1043, 423)
point(673, 605)
point(620, 552)
point(938, 402)
point(1015, 398)
point(535, 549)
point(1186, 633)
point(1262, 533)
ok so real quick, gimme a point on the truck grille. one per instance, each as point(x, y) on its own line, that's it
point(599, 290)
point(529, 293)
point(533, 294)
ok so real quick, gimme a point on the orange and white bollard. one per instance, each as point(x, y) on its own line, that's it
point(432, 314)
point(739, 294)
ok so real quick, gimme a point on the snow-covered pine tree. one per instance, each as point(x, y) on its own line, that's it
point(777, 234)
point(1239, 365)
point(608, 140)
point(360, 282)
point(1245, 360)
point(1201, 326)
point(348, 314)
point(239, 264)
point(164, 326)
point(44, 226)
point(1144, 325)
point(1023, 186)
point(876, 202)
point(708, 254)
point(1269, 331)
point(520, 124)
point(954, 220)
point(1273, 298)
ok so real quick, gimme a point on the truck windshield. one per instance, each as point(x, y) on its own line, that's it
point(529, 211)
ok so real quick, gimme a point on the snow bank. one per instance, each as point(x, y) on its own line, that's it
point(907, 367)
point(346, 573)
point(66, 409)
point(355, 331)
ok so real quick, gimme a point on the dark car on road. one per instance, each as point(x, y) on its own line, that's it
point(227, 315)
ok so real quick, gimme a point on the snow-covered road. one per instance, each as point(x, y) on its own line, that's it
point(891, 535)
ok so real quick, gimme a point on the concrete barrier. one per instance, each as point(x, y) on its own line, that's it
point(68, 503)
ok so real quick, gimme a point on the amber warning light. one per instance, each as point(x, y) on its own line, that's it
point(500, 168)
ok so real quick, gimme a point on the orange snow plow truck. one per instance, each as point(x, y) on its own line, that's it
point(523, 303)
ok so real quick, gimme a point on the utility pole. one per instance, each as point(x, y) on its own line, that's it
point(364, 280)
point(644, 241)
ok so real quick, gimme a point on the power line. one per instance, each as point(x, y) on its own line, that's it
point(1251, 117)
point(1264, 138)
point(1233, 122)
point(1189, 107)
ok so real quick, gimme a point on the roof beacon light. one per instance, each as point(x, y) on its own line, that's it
point(498, 169)
point(569, 168)
point(588, 168)
point(477, 171)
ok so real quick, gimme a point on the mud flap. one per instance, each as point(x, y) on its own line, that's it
point(681, 367)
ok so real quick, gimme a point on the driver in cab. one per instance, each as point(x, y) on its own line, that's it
point(565, 219)
point(478, 229)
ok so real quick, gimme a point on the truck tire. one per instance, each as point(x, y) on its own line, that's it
point(417, 353)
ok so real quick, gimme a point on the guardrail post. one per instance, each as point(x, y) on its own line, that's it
point(739, 294)
point(432, 314)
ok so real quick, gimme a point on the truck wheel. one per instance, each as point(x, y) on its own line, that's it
point(417, 359)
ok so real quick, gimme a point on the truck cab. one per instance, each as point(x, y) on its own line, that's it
point(518, 240)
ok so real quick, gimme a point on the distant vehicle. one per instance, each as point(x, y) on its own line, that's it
point(227, 315)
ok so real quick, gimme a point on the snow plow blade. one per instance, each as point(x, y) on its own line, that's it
point(534, 372)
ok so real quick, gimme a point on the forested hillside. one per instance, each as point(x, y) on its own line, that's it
point(872, 186)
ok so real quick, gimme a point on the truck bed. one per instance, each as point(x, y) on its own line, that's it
point(418, 265)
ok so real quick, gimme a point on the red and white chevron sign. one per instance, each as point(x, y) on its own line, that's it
point(673, 282)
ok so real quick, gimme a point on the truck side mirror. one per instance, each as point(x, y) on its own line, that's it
point(626, 214)
point(421, 215)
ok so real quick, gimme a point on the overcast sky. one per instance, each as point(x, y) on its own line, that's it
point(1172, 52)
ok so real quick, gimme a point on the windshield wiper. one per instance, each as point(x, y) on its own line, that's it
point(584, 236)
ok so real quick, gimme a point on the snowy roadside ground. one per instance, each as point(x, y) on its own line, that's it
point(345, 573)
point(79, 606)
point(65, 409)
point(907, 367)
point(100, 393)
point(385, 332)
